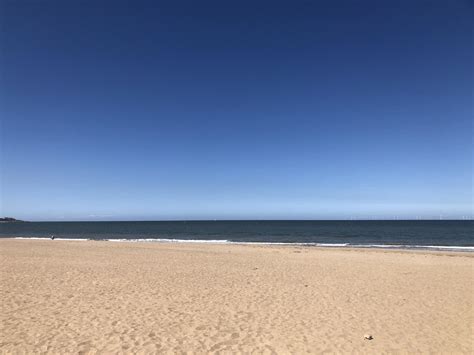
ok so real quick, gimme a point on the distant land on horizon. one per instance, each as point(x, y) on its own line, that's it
point(9, 220)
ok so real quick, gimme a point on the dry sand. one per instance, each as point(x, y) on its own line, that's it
point(69, 297)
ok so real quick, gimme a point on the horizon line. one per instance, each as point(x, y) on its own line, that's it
point(246, 220)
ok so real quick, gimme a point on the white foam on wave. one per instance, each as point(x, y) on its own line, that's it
point(212, 241)
point(224, 241)
point(445, 247)
point(47, 238)
point(332, 244)
point(395, 246)
point(164, 240)
point(324, 245)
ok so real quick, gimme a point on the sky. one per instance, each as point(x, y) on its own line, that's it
point(157, 110)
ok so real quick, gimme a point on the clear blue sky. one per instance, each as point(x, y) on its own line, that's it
point(236, 109)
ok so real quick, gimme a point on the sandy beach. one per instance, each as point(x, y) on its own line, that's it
point(69, 297)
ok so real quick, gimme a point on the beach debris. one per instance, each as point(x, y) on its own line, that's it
point(368, 337)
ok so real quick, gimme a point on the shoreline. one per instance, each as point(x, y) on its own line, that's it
point(420, 248)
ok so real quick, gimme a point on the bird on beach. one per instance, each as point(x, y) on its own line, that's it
point(52, 237)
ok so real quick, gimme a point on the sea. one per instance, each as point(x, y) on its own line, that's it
point(455, 235)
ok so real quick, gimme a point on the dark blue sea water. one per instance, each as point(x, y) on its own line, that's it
point(405, 234)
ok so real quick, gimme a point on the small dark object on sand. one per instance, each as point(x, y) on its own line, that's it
point(52, 237)
point(368, 337)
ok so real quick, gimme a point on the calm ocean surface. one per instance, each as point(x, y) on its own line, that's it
point(406, 234)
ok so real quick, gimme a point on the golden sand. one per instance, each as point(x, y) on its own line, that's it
point(69, 297)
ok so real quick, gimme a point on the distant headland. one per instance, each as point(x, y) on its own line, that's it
point(9, 220)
